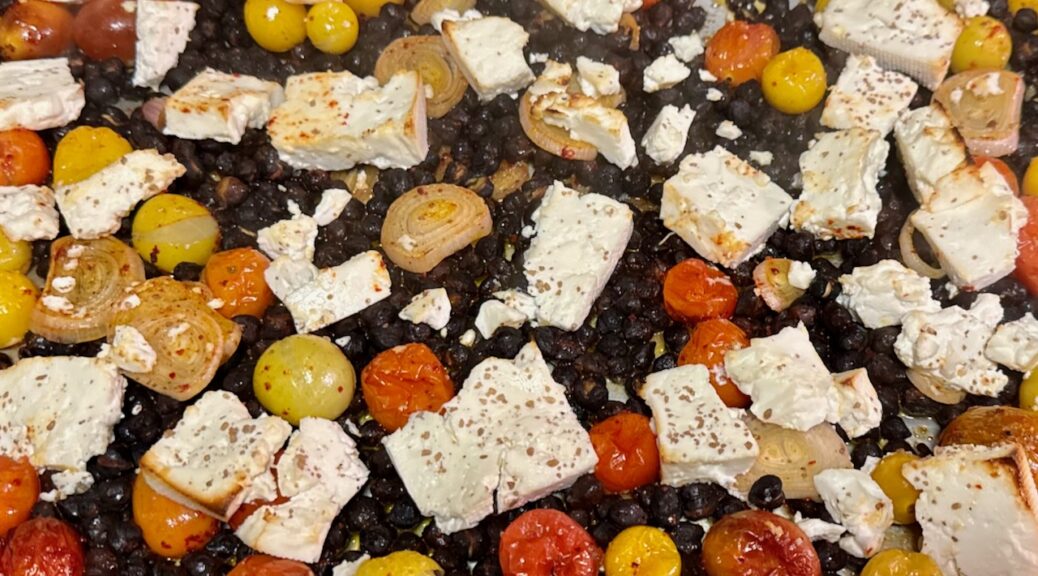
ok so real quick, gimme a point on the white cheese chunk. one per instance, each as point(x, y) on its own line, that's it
point(854, 500)
point(1015, 344)
point(948, 346)
point(284, 275)
point(294, 238)
point(438, 18)
point(760, 157)
point(130, 350)
point(972, 222)
point(333, 202)
point(220, 106)
point(95, 207)
point(728, 130)
point(335, 121)
point(723, 207)
point(971, 8)
point(588, 120)
point(212, 456)
point(578, 242)
point(319, 472)
point(930, 148)
point(881, 294)
point(800, 274)
point(38, 94)
point(597, 79)
point(816, 529)
point(350, 568)
point(854, 404)
point(840, 172)
point(494, 314)
point(867, 96)
point(509, 437)
point(715, 95)
point(699, 438)
point(520, 301)
point(599, 16)
point(664, 72)
point(688, 47)
point(489, 52)
point(163, 30)
point(978, 509)
point(27, 213)
point(431, 307)
point(665, 139)
point(915, 37)
point(66, 484)
point(785, 377)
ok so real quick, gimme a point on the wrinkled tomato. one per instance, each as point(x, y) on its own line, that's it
point(627, 452)
point(23, 158)
point(709, 342)
point(43, 547)
point(35, 29)
point(19, 490)
point(404, 380)
point(694, 291)
point(169, 528)
point(236, 277)
point(1027, 260)
point(739, 51)
point(548, 543)
point(758, 543)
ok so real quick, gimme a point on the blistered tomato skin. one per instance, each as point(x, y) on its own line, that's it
point(627, 452)
point(236, 277)
point(302, 376)
point(794, 81)
point(169, 229)
point(758, 543)
point(739, 51)
point(370, 8)
point(889, 477)
point(19, 490)
point(85, 151)
point(276, 25)
point(707, 345)
point(260, 565)
point(17, 297)
point(23, 158)
point(901, 563)
point(404, 380)
point(170, 529)
point(984, 43)
point(694, 291)
point(402, 563)
point(332, 27)
point(42, 547)
point(35, 29)
point(546, 542)
point(106, 29)
point(642, 551)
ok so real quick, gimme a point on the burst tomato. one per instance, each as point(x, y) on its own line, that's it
point(694, 291)
point(709, 342)
point(169, 529)
point(404, 380)
point(43, 547)
point(19, 489)
point(739, 51)
point(758, 543)
point(35, 29)
point(627, 453)
point(1027, 261)
point(548, 543)
point(236, 277)
point(23, 158)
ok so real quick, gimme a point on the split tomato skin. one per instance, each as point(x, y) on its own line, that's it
point(758, 543)
point(627, 453)
point(43, 547)
point(404, 380)
point(547, 542)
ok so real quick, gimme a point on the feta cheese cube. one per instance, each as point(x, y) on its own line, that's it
point(1015, 344)
point(27, 213)
point(335, 121)
point(816, 529)
point(163, 30)
point(854, 500)
point(930, 148)
point(785, 377)
point(699, 438)
point(881, 294)
point(854, 404)
point(687, 47)
point(214, 454)
point(867, 97)
point(600, 16)
point(723, 207)
point(728, 130)
point(95, 207)
point(293, 238)
point(664, 72)
point(38, 94)
point(285, 275)
point(588, 120)
point(840, 172)
point(494, 314)
point(130, 350)
point(431, 307)
point(800, 275)
point(333, 202)
point(948, 346)
point(665, 139)
point(509, 437)
point(578, 241)
point(972, 222)
point(219, 106)
point(489, 52)
point(597, 79)
point(915, 37)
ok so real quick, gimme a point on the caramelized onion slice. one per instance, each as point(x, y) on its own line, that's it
point(906, 241)
point(794, 456)
point(629, 25)
point(429, 223)
point(92, 277)
point(985, 106)
point(771, 278)
point(934, 389)
point(551, 138)
point(510, 178)
point(424, 10)
point(427, 56)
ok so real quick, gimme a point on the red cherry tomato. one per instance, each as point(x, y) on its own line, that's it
point(43, 547)
point(259, 565)
point(23, 158)
point(758, 543)
point(627, 453)
point(739, 51)
point(548, 543)
point(404, 380)
point(1003, 169)
point(709, 341)
point(35, 29)
point(694, 290)
point(1027, 261)
point(106, 29)
point(19, 490)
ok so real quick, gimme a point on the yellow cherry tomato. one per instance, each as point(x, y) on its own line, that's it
point(642, 551)
point(17, 297)
point(85, 151)
point(794, 81)
point(897, 562)
point(170, 229)
point(15, 256)
point(332, 27)
point(302, 376)
point(276, 25)
point(889, 477)
point(984, 43)
point(1029, 186)
point(1029, 392)
point(403, 563)
point(370, 8)
point(1016, 5)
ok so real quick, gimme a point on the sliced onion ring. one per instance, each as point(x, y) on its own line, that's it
point(552, 138)
point(906, 241)
point(771, 278)
point(429, 223)
point(427, 56)
point(934, 389)
point(987, 117)
point(423, 11)
point(100, 272)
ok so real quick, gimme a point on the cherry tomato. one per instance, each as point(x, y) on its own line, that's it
point(642, 551)
point(402, 381)
point(897, 562)
point(794, 81)
point(19, 490)
point(169, 529)
point(548, 543)
point(236, 277)
point(739, 51)
point(709, 341)
point(627, 453)
point(332, 27)
point(23, 158)
point(401, 563)
point(758, 543)
point(984, 43)
point(276, 25)
point(694, 290)
point(248, 508)
point(259, 565)
point(1003, 169)
point(1027, 260)
point(43, 547)
point(370, 8)
point(106, 29)
point(35, 29)
point(85, 151)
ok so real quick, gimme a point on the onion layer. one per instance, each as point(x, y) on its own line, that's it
point(794, 456)
point(934, 389)
point(771, 278)
point(429, 223)
point(423, 11)
point(906, 241)
point(427, 56)
point(510, 178)
point(551, 138)
point(985, 106)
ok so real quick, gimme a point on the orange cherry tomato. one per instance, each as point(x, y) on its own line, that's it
point(260, 565)
point(627, 453)
point(758, 543)
point(709, 341)
point(19, 490)
point(106, 29)
point(43, 547)
point(739, 51)
point(404, 380)
point(236, 277)
point(35, 29)
point(1027, 241)
point(23, 158)
point(1003, 169)
point(548, 543)
point(170, 529)
point(694, 291)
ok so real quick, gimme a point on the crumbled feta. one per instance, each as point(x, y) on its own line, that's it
point(600, 16)
point(38, 94)
point(597, 79)
point(163, 30)
point(868, 97)
point(728, 130)
point(494, 314)
point(468, 338)
point(57, 303)
point(761, 158)
point(520, 301)
point(63, 284)
point(1015, 344)
point(431, 307)
point(665, 139)
point(664, 72)
point(881, 294)
point(27, 213)
point(349, 568)
point(930, 148)
point(687, 47)
point(971, 8)
point(68, 483)
point(293, 238)
point(714, 95)
point(857, 502)
point(706, 76)
point(816, 529)
point(220, 106)
point(800, 275)
point(538, 58)
point(130, 350)
point(490, 72)
point(854, 404)
point(333, 202)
